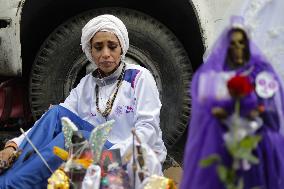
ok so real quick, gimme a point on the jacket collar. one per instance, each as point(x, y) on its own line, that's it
point(108, 79)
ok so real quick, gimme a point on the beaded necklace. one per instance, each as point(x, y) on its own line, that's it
point(110, 101)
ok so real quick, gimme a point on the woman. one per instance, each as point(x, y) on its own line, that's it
point(115, 90)
point(213, 110)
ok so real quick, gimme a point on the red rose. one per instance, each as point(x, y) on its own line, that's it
point(239, 86)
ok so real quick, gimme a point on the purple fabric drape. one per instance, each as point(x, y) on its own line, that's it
point(205, 134)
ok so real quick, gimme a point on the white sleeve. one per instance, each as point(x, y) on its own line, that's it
point(147, 108)
point(18, 140)
point(71, 102)
point(146, 116)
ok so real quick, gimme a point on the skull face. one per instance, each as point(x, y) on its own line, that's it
point(266, 85)
point(237, 48)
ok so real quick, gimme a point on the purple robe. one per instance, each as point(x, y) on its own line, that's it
point(205, 134)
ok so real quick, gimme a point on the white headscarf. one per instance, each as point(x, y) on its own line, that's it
point(107, 23)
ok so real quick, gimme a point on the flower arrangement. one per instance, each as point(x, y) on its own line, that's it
point(240, 138)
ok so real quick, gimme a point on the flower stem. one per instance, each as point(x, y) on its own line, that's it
point(237, 106)
point(235, 164)
point(235, 123)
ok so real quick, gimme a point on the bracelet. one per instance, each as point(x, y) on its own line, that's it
point(12, 145)
point(15, 149)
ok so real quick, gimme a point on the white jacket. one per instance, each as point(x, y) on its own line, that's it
point(137, 104)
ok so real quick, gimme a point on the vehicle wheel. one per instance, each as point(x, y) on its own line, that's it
point(60, 64)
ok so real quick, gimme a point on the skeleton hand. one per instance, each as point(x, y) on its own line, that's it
point(219, 112)
point(253, 114)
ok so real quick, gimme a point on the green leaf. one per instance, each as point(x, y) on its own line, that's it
point(232, 148)
point(240, 184)
point(251, 158)
point(250, 142)
point(211, 159)
point(223, 173)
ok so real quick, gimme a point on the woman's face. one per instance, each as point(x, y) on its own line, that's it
point(106, 51)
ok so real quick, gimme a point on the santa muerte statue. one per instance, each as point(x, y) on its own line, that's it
point(236, 133)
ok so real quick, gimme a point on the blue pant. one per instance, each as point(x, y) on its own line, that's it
point(45, 134)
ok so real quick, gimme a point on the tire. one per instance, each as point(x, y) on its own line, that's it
point(60, 64)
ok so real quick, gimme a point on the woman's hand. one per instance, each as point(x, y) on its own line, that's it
point(8, 155)
point(5, 156)
point(219, 112)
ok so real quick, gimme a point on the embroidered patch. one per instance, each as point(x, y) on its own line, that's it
point(266, 85)
point(118, 110)
point(129, 109)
